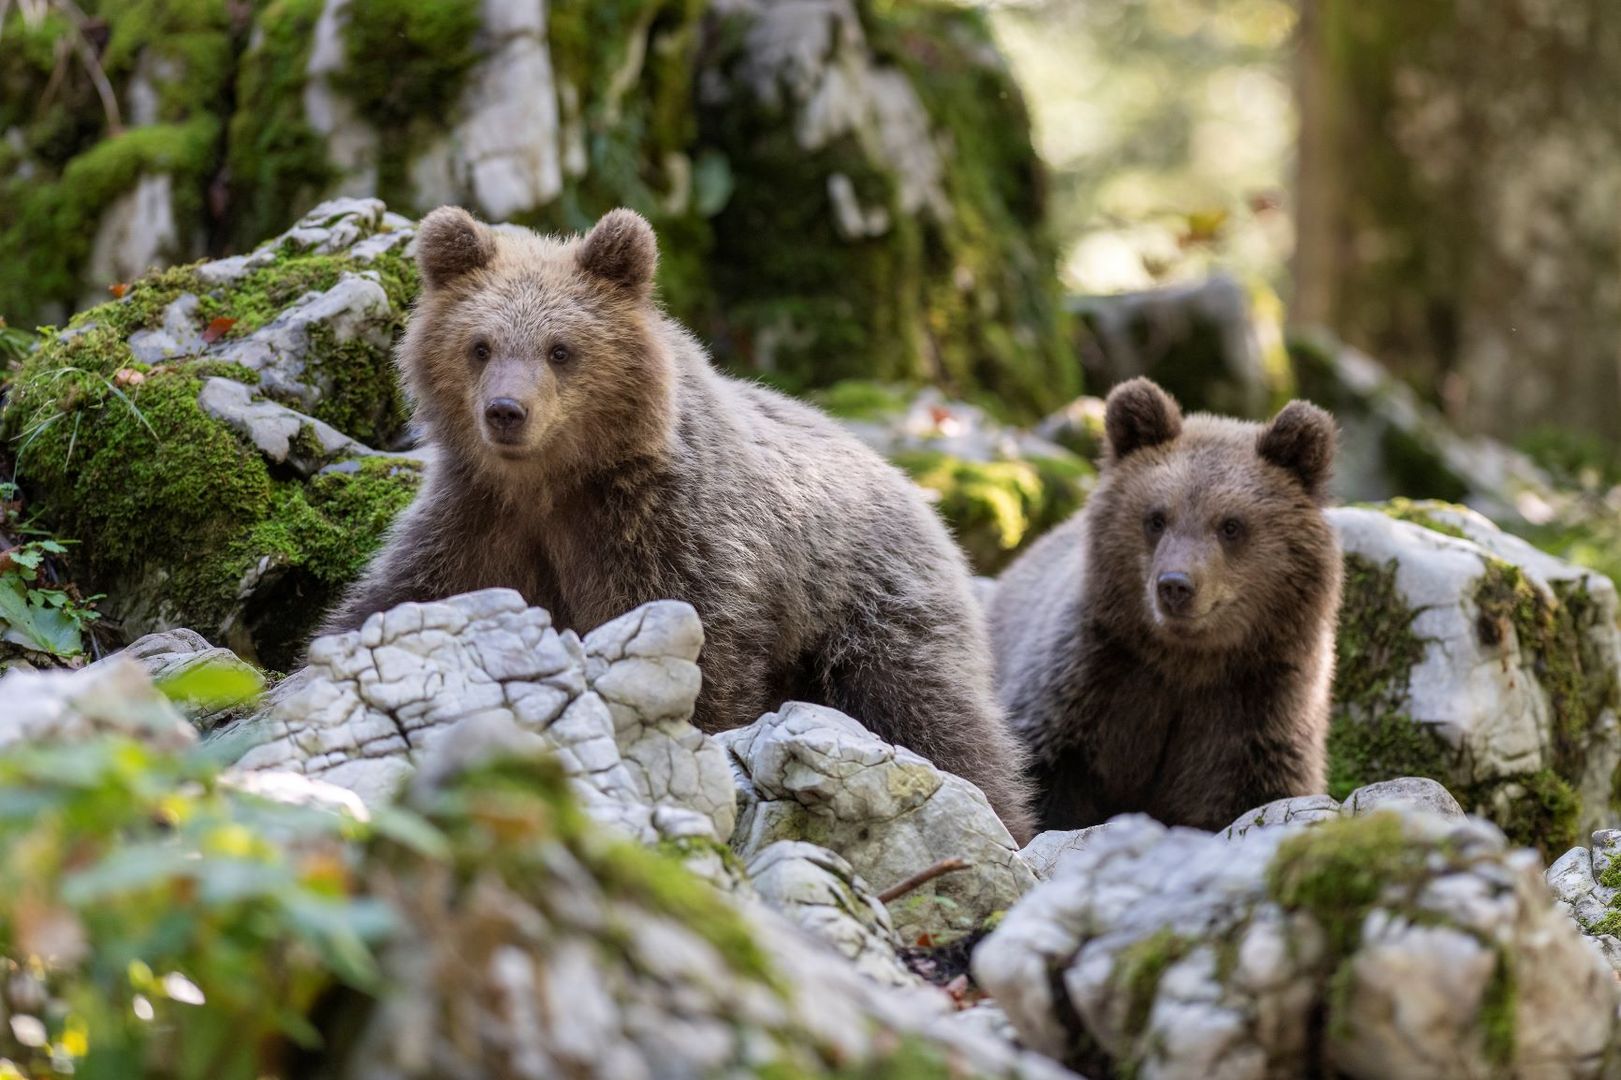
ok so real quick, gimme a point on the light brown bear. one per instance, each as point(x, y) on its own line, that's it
point(1170, 648)
point(589, 456)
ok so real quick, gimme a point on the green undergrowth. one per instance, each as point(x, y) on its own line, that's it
point(156, 920)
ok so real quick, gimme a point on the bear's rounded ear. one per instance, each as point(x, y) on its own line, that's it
point(621, 249)
point(451, 243)
point(1301, 439)
point(1139, 414)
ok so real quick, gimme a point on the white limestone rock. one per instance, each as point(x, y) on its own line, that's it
point(1484, 681)
point(820, 893)
point(1398, 944)
point(70, 707)
point(811, 773)
point(616, 709)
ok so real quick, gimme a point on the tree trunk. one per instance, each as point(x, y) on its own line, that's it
point(1459, 205)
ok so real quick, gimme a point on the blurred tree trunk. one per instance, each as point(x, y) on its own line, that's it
point(1459, 205)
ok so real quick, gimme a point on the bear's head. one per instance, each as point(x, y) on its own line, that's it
point(1206, 534)
point(530, 354)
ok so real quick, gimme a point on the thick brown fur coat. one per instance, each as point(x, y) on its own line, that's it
point(1170, 649)
point(589, 456)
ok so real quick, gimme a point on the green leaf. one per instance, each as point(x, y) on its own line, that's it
point(213, 684)
point(411, 831)
point(43, 629)
point(128, 869)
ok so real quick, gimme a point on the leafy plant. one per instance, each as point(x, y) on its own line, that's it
point(35, 616)
point(15, 343)
point(160, 922)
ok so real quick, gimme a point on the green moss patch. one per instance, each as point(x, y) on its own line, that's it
point(1421, 512)
point(997, 507)
point(1544, 816)
point(1138, 970)
point(1548, 628)
point(405, 62)
point(1371, 737)
point(120, 456)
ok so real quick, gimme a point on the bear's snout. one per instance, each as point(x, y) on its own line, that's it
point(504, 418)
point(1175, 591)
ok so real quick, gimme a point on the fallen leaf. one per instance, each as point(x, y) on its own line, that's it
point(128, 377)
point(218, 328)
point(118, 290)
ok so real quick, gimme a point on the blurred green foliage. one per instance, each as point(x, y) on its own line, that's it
point(157, 922)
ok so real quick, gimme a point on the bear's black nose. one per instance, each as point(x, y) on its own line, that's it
point(504, 415)
point(1175, 590)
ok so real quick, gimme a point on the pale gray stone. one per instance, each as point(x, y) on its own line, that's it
point(170, 654)
point(1480, 689)
point(71, 707)
point(485, 670)
point(812, 773)
point(1169, 950)
point(1419, 792)
point(274, 428)
point(820, 893)
point(1280, 813)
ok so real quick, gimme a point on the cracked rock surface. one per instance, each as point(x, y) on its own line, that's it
point(614, 708)
point(819, 892)
point(1397, 943)
point(812, 773)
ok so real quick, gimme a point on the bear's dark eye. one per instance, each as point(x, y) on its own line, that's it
point(1232, 529)
point(559, 354)
point(1154, 523)
point(481, 351)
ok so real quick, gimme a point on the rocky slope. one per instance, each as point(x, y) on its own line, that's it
point(462, 843)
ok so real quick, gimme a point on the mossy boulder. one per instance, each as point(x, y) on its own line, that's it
point(187, 433)
point(1203, 341)
point(1467, 655)
point(997, 487)
point(870, 206)
point(1394, 942)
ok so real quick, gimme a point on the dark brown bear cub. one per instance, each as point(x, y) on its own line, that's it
point(1170, 649)
point(590, 457)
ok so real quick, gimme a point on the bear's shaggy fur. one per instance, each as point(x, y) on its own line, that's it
point(589, 456)
point(1170, 649)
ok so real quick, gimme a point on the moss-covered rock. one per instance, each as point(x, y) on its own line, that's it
point(1201, 341)
point(875, 212)
point(1340, 948)
point(185, 517)
point(997, 487)
point(1466, 655)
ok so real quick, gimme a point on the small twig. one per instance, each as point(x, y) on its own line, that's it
point(922, 877)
